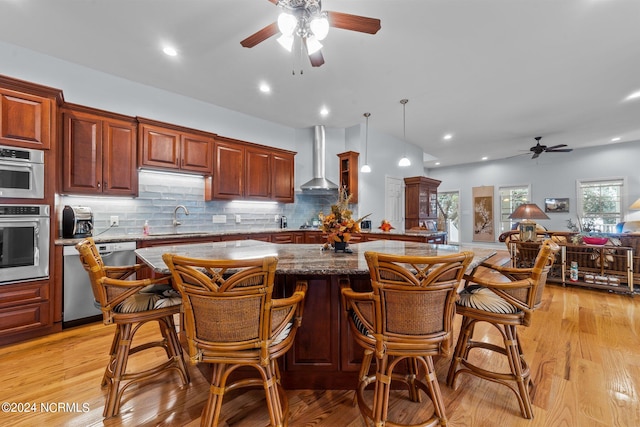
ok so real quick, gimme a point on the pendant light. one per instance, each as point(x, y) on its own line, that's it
point(404, 161)
point(366, 168)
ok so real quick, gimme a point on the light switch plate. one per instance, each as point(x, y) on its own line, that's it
point(238, 219)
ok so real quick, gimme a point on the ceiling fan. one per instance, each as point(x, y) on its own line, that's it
point(307, 20)
point(539, 149)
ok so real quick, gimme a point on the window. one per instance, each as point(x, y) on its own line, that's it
point(600, 205)
point(510, 199)
point(449, 214)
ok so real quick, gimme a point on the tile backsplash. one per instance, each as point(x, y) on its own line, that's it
point(160, 193)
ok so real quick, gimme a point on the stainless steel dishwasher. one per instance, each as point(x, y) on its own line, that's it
point(78, 301)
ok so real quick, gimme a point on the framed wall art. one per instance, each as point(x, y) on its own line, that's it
point(483, 218)
point(556, 205)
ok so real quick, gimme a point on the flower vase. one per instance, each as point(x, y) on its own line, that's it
point(341, 246)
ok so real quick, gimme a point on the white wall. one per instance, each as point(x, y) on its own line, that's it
point(551, 175)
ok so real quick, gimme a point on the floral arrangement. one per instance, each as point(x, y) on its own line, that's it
point(339, 225)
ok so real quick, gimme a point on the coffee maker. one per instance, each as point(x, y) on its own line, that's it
point(77, 222)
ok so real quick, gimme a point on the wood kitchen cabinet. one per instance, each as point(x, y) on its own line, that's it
point(170, 147)
point(349, 173)
point(99, 152)
point(421, 200)
point(27, 113)
point(250, 171)
point(282, 177)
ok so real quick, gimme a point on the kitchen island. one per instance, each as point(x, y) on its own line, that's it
point(324, 355)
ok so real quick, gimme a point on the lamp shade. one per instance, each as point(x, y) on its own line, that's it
point(528, 211)
point(635, 205)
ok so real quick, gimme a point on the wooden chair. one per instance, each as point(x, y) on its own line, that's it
point(504, 304)
point(403, 322)
point(231, 321)
point(129, 304)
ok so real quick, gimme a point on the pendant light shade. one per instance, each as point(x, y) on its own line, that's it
point(366, 168)
point(404, 161)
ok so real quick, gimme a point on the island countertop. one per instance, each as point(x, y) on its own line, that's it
point(303, 259)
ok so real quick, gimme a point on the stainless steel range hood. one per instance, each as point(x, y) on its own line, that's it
point(319, 183)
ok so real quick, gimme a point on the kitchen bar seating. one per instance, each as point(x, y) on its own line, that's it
point(504, 304)
point(403, 322)
point(232, 321)
point(129, 304)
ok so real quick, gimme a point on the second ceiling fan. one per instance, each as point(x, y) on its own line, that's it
point(539, 149)
point(306, 20)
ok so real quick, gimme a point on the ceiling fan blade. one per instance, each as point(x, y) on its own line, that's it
point(316, 59)
point(260, 36)
point(560, 150)
point(347, 21)
point(556, 147)
point(535, 156)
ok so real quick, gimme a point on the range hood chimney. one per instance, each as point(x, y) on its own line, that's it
point(319, 183)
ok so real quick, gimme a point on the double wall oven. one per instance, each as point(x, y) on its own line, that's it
point(24, 227)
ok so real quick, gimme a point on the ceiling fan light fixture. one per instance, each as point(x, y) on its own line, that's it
point(313, 45)
point(319, 26)
point(287, 23)
point(286, 42)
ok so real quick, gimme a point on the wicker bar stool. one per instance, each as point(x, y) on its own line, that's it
point(505, 305)
point(232, 321)
point(403, 322)
point(129, 304)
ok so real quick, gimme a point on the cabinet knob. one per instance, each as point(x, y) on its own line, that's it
point(98, 184)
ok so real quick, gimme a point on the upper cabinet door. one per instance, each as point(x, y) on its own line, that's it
point(282, 177)
point(82, 153)
point(119, 159)
point(228, 182)
point(197, 153)
point(257, 173)
point(25, 120)
point(159, 147)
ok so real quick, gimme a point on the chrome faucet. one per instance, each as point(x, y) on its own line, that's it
point(175, 214)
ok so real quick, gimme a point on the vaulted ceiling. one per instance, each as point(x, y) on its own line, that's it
point(492, 73)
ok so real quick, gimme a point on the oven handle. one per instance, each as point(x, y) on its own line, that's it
point(17, 167)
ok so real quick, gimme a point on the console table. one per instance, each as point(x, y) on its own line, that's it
point(607, 267)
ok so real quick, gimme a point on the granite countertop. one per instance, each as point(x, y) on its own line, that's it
point(114, 238)
point(304, 259)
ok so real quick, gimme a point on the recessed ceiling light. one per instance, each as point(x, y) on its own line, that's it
point(324, 111)
point(617, 138)
point(485, 158)
point(447, 136)
point(634, 95)
point(168, 50)
point(437, 163)
point(265, 88)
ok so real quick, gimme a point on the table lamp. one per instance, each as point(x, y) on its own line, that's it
point(527, 212)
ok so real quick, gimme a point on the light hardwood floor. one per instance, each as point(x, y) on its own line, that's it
point(583, 347)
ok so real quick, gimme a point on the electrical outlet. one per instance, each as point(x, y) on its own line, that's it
point(219, 219)
point(238, 219)
point(114, 221)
